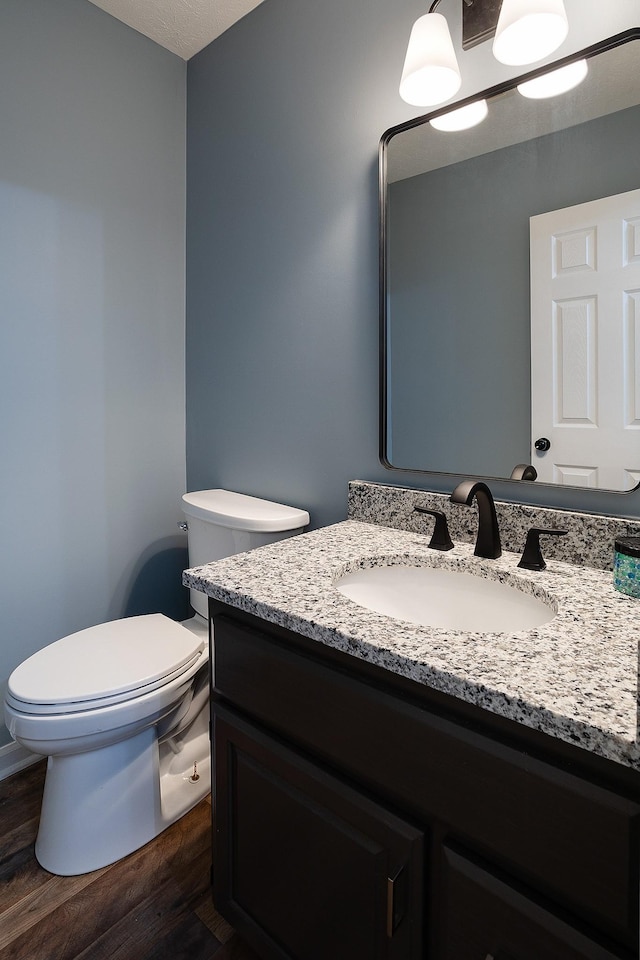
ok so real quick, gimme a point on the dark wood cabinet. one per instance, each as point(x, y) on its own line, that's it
point(312, 867)
point(361, 815)
point(484, 918)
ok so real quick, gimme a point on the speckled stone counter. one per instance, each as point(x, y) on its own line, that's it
point(574, 678)
point(588, 542)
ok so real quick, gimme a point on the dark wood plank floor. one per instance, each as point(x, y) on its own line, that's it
point(153, 905)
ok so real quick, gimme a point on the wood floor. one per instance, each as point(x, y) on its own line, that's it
point(153, 905)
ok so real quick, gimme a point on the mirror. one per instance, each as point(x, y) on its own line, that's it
point(457, 209)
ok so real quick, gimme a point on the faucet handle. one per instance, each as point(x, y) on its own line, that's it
point(440, 539)
point(532, 558)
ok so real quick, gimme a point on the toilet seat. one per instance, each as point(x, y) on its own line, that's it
point(104, 665)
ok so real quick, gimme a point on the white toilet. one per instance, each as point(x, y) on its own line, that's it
point(121, 709)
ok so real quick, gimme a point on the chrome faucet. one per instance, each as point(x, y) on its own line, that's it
point(488, 539)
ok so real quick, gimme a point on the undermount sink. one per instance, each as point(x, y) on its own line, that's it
point(435, 597)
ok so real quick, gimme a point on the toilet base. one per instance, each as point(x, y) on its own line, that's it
point(180, 790)
point(101, 805)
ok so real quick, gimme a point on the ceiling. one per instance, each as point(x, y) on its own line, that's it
point(182, 26)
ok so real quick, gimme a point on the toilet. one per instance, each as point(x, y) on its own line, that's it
point(121, 709)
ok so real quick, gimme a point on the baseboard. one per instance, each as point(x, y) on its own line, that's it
point(13, 758)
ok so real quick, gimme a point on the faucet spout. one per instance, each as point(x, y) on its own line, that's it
point(524, 471)
point(488, 539)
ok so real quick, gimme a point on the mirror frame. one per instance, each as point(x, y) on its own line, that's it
point(588, 52)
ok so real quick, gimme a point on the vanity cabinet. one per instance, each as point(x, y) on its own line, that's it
point(358, 814)
point(314, 868)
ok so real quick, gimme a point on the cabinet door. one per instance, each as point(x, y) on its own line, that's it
point(483, 918)
point(304, 866)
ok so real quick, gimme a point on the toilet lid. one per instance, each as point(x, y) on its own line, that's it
point(109, 660)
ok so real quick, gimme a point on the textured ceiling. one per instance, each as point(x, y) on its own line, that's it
point(182, 26)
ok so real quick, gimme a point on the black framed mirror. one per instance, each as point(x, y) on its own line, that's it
point(471, 223)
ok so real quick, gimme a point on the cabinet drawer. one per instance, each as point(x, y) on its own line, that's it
point(483, 918)
point(304, 866)
point(574, 841)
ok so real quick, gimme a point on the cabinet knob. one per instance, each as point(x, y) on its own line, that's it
point(542, 444)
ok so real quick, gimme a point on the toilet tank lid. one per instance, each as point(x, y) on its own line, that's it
point(228, 509)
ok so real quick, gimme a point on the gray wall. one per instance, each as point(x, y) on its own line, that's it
point(92, 174)
point(285, 113)
point(459, 296)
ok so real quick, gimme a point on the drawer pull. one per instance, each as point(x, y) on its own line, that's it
point(396, 901)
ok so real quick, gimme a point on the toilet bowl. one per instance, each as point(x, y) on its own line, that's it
point(121, 709)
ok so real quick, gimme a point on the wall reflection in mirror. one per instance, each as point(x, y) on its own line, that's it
point(511, 285)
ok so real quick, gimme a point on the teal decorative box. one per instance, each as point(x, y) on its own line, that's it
point(626, 566)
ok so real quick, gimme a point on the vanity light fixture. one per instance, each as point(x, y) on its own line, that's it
point(431, 73)
point(529, 30)
point(461, 119)
point(524, 31)
point(558, 81)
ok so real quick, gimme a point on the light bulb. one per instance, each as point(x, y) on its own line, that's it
point(529, 30)
point(431, 74)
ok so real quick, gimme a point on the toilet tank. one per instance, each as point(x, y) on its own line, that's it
point(221, 523)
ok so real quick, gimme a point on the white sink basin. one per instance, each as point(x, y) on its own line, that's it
point(450, 599)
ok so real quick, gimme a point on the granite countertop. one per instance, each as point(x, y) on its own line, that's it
point(574, 678)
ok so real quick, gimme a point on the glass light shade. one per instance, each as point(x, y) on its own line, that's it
point(463, 118)
point(431, 74)
point(556, 82)
point(529, 30)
